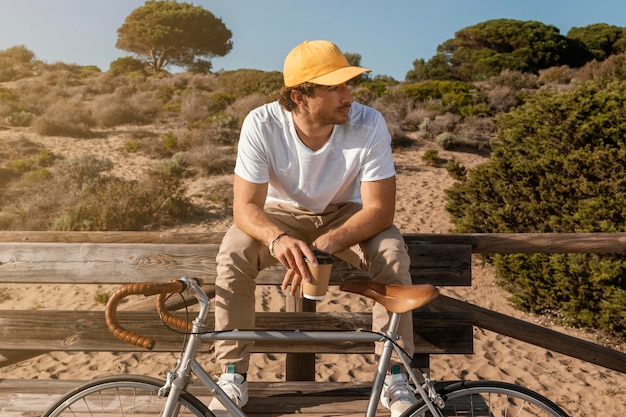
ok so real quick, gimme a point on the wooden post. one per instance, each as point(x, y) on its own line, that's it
point(300, 366)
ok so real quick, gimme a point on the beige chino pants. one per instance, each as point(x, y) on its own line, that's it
point(240, 259)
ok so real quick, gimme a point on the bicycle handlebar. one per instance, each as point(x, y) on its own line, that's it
point(147, 289)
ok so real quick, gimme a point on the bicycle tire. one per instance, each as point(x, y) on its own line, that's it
point(122, 395)
point(489, 398)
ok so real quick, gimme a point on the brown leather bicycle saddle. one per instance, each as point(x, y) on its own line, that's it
point(395, 298)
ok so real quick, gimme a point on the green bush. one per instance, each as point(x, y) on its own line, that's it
point(558, 165)
point(431, 157)
point(170, 142)
point(44, 158)
point(244, 82)
point(446, 140)
point(454, 96)
point(131, 145)
point(127, 65)
point(456, 170)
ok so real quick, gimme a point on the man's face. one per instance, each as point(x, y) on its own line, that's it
point(330, 104)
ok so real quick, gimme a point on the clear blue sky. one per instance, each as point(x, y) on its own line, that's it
point(389, 34)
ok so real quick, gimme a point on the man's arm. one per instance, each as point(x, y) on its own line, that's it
point(248, 212)
point(377, 214)
point(249, 215)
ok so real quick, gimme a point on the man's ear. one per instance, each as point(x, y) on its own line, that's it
point(297, 97)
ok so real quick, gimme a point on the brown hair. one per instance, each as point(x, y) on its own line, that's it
point(284, 98)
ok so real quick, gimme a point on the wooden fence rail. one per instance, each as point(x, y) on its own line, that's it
point(123, 257)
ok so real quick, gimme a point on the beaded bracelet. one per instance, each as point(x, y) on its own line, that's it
point(275, 241)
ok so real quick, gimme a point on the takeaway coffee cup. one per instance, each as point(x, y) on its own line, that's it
point(320, 275)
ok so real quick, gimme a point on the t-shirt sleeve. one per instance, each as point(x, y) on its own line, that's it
point(252, 163)
point(378, 163)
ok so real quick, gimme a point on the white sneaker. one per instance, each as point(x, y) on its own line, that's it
point(397, 394)
point(235, 387)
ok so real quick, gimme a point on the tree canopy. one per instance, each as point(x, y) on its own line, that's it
point(167, 32)
point(483, 50)
point(600, 39)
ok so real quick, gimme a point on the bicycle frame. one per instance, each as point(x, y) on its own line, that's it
point(178, 379)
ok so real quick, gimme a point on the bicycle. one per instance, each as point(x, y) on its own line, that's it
point(132, 395)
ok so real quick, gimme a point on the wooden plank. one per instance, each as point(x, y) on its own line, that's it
point(442, 264)
point(86, 331)
point(123, 263)
point(274, 399)
point(198, 238)
point(607, 242)
point(536, 335)
point(111, 262)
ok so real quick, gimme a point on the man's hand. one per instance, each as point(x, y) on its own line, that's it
point(291, 253)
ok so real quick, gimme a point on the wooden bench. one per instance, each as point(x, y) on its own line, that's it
point(118, 257)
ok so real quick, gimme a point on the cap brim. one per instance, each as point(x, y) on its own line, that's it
point(339, 76)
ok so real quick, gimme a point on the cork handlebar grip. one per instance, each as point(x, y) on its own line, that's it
point(136, 289)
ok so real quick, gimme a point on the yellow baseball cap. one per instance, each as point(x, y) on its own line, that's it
point(318, 62)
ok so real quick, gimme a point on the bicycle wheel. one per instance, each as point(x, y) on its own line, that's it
point(122, 395)
point(489, 398)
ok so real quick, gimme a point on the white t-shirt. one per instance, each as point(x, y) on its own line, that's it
point(270, 151)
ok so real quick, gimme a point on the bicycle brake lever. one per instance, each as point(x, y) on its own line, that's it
point(165, 388)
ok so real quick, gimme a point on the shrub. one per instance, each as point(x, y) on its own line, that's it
point(476, 132)
point(115, 204)
point(8, 97)
point(501, 99)
point(65, 118)
point(515, 80)
point(131, 145)
point(111, 110)
point(558, 75)
point(612, 68)
point(38, 175)
point(219, 129)
point(19, 54)
point(446, 140)
point(195, 106)
point(558, 165)
point(455, 96)
point(241, 107)
point(127, 65)
point(22, 118)
point(44, 158)
point(170, 142)
point(431, 157)
point(210, 159)
point(244, 82)
point(86, 169)
point(456, 170)
point(15, 63)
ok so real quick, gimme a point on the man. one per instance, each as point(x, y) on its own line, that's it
point(314, 170)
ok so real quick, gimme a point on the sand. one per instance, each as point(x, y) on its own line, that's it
point(581, 388)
